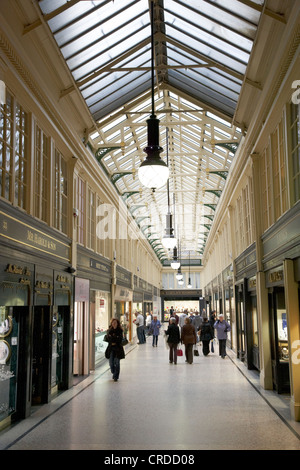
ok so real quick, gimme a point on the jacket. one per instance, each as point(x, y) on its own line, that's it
point(188, 334)
point(207, 332)
point(173, 333)
point(114, 337)
point(154, 327)
point(222, 327)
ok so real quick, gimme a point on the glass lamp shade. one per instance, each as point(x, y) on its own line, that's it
point(169, 242)
point(189, 284)
point(179, 276)
point(175, 264)
point(181, 282)
point(153, 173)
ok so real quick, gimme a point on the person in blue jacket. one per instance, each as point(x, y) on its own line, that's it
point(222, 328)
point(154, 329)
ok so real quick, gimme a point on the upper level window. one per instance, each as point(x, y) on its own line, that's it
point(13, 152)
point(60, 207)
point(21, 156)
point(41, 167)
point(295, 150)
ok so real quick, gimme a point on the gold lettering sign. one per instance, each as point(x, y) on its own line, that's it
point(61, 278)
point(13, 269)
point(43, 285)
point(276, 276)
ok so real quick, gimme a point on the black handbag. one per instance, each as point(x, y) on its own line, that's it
point(124, 341)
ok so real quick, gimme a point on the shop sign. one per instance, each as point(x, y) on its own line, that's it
point(100, 266)
point(122, 294)
point(275, 276)
point(82, 290)
point(27, 236)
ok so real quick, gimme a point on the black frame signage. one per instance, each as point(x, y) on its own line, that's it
point(13, 230)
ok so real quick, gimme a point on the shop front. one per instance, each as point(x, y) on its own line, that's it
point(278, 330)
point(35, 352)
point(246, 309)
point(281, 252)
point(123, 299)
point(97, 272)
point(16, 287)
point(229, 311)
point(180, 300)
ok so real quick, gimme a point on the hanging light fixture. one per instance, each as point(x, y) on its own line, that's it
point(175, 263)
point(153, 172)
point(169, 241)
point(179, 275)
point(189, 283)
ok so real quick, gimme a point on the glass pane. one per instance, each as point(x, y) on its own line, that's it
point(9, 335)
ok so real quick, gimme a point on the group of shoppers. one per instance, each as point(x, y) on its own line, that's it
point(186, 335)
point(151, 328)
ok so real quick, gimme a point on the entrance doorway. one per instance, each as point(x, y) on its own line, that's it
point(41, 354)
point(279, 340)
point(81, 339)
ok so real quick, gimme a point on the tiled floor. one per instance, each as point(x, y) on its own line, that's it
point(155, 405)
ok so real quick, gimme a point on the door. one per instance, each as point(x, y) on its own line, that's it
point(240, 309)
point(41, 355)
point(81, 339)
point(279, 340)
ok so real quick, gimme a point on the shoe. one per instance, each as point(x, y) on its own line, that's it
point(170, 362)
point(115, 380)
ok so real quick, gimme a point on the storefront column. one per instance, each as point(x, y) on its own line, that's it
point(266, 379)
point(292, 309)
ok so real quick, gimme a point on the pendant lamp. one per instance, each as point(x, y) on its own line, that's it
point(169, 241)
point(153, 172)
point(189, 283)
point(175, 264)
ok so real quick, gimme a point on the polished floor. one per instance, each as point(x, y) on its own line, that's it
point(212, 404)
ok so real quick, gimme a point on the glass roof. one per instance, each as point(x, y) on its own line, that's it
point(202, 48)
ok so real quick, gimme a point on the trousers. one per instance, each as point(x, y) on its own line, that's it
point(222, 347)
point(173, 352)
point(114, 364)
point(189, 352)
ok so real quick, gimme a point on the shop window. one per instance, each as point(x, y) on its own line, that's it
point(61, 193)
point(9, 334)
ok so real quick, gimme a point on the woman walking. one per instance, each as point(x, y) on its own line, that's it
point(222, 328)
point(114, 351)
point(154, 329)
point(188, 338)
point(206, 335)
point(173, 340)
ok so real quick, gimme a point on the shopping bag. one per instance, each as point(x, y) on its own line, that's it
point(179, 352)
point(196, 352)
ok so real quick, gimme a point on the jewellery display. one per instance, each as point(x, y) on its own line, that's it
point(5, 326)
point(5, 352)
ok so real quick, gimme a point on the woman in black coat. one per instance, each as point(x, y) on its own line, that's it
point(115, 351)
point(206, 335)
point(173, 340)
